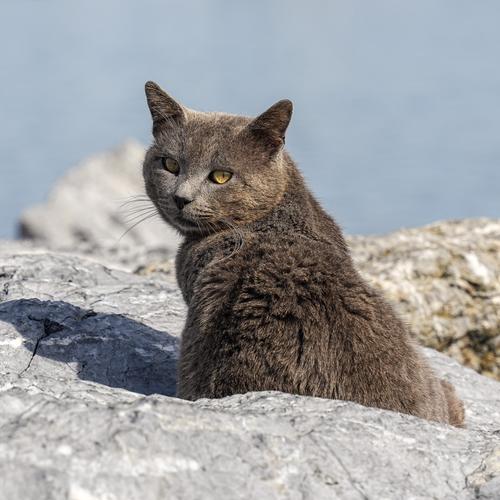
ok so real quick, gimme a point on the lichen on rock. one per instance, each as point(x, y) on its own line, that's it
point(445, 280)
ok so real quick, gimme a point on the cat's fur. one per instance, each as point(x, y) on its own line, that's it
point(274, 301)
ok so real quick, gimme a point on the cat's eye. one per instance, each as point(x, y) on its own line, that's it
point(220, 176)
point(171, 165)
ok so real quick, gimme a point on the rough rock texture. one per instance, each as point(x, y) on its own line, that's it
point(141, 260)
point(445, 279)
point(87, 363)
point(87, 205)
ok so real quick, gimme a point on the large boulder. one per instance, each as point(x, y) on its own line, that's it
point(87, 378)
point(98, 203)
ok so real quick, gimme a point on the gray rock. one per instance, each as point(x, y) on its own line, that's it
point(87, 205)
point(87, 364)
point(138, 259)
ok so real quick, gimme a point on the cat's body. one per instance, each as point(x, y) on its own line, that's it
point(274, 301)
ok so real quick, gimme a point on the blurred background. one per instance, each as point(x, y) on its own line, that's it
point(397, 104)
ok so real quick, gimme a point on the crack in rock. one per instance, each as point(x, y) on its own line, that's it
point(488, 470)
point(49, 327)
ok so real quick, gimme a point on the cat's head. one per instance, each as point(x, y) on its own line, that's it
point(208, 171)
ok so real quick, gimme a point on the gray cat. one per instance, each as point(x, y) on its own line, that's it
point(274, 301)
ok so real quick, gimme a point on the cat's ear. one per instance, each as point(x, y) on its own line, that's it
point(270, 126)
point(164, 110)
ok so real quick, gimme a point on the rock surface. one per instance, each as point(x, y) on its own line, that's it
point(96, 202)
point(445, 280)
point(87, 364)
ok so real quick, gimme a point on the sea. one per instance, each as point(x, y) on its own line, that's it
point(396, 103)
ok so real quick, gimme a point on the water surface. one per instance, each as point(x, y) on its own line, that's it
point(397, 104)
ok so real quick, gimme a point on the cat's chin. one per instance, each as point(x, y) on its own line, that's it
point(188, 227)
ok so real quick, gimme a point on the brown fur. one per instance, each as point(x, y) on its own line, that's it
point(274, 301)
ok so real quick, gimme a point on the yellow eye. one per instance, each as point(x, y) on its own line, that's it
point(220, 176)
point(171, 165)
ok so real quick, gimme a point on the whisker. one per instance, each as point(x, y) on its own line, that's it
point(136, 210)
point(133, 218)
point(238, 233)
point(133, 199)
point(133, 202)
point(132, 206)
point(149, 216)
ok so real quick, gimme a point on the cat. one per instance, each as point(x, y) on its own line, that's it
point(274, 300)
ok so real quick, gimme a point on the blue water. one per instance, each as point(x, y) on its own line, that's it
point(397, 104)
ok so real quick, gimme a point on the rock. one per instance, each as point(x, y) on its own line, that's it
point(445, 280)
point(87, 365)
point(75, 309)
point(141, 260)
point(87, 206)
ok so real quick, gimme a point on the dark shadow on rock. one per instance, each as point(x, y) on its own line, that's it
point(109, 349)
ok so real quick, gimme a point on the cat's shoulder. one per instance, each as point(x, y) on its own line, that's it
point(275, 261)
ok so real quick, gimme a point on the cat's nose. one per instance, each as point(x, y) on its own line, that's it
point(181, 202)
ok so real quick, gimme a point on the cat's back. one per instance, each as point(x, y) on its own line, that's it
point(253, 300)
point(266, 271)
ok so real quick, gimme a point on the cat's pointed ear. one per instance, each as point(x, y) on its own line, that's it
point(164, 110)
point(270, 126)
